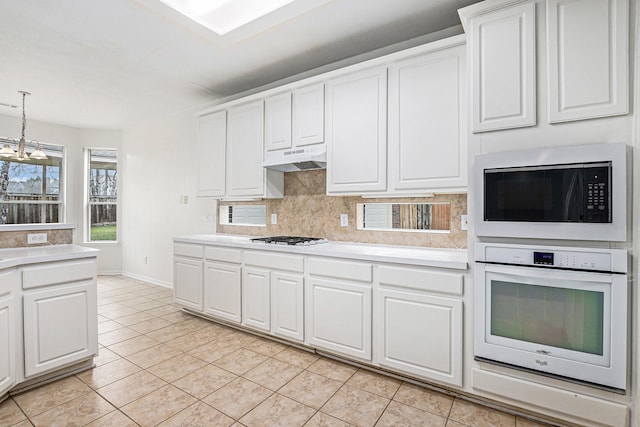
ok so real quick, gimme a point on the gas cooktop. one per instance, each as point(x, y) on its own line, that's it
point(290, 240)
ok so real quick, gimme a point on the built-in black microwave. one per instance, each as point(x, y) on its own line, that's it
point(575, 192)
point(564, 193)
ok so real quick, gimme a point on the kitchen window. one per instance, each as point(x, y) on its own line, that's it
point(31, 190)
point(102, 193)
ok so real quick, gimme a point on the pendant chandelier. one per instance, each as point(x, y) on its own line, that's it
point(7, 152)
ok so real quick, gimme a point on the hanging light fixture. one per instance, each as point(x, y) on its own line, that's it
point(7, 151)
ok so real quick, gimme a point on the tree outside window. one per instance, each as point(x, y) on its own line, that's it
point(103, 195)
point(30, 190)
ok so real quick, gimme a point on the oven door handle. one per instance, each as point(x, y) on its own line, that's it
point(546, 273)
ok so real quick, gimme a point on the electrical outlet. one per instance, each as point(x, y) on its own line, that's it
point(464, 222)
point(274, 218)
point(36, 238)
point(184, 199)
point(344, 220)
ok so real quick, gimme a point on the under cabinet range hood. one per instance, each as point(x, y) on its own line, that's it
point(296, 159)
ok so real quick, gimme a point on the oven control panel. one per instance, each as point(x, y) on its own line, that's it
point(592, 259)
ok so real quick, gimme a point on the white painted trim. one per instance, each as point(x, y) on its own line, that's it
point(147, 279)
point(29, 227)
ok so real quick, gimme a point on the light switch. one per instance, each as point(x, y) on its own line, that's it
point(464, 222)
point(344, 220)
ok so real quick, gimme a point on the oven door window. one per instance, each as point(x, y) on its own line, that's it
point(553, 315)
point(571, 319)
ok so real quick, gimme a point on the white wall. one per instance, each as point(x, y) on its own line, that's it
point(159, 167)
point(75, 141)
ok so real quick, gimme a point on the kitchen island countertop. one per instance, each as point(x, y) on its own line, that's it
point(408, 255)
point(19, 256)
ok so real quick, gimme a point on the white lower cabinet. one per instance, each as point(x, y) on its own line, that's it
point(222, 291)
point(419, 323)
point(256, 298)
point(339, 317)
point(187, 282)
point(287, 306)
point(421, 335)
point(60, 326)
point(7, 331)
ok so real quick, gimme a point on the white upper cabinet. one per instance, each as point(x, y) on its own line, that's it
point(427, 121)
point(245, 176)
point(588, 58)
point(277, 126)
point(212, 138)
point(308, 115)
point(501, 39)
point(356, 132)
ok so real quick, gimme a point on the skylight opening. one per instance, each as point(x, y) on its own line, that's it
point(224, 16)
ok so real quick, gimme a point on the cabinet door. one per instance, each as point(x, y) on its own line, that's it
point(421, 335)
point(427, 129)
point(356, 132)
point(212, 138)
point(187, 282)
point(256, 298)
point(308, 115)
point(222, 291)
point(277, 126)
point(339, 317)
point(588, 58)
point(7, 333)
point(287, 306)
point(60, 326)
point(503, 56)
point(245, 174)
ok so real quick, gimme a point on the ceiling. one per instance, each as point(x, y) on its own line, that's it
point(111, 64)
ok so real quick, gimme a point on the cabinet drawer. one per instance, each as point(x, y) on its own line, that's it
point(223, 254)
point(424, 280)
point(56, 273)
point(275, 261)
point(192, 251)
point(341, 269)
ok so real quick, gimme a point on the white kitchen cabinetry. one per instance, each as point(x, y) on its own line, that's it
point(60, 315)
point(588, 58)
point(308, 115)
point(427, 121)
point(287, 305)
point(256, 298)
point(338, 307)
point(222, 283)
point(277, 126)
point(273, 293)
point(356, 132)
point(419, 329)
point(501, 51)
point(245, 176)
point(8, 327)
point(187, 275)
point(212, 138)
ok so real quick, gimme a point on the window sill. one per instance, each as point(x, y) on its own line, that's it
point(29, 227)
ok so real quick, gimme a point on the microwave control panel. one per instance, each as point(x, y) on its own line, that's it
point(597, 197)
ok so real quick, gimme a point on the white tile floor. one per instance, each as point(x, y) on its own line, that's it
point(160, 366)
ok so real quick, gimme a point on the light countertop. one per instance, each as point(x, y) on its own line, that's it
point(408, 255)
point(20, 256)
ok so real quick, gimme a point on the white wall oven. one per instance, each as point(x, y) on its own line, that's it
point(560, 311)
point(575, 193)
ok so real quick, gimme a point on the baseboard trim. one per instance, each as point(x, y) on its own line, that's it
point(147, 279)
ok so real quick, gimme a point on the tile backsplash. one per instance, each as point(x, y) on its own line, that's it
point(306, 210)
point(18, 239)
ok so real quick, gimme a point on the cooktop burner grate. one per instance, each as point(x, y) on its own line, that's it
point(290, 240)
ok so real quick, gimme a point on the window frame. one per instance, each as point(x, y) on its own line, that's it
point(52, 150)
point(88, 203)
